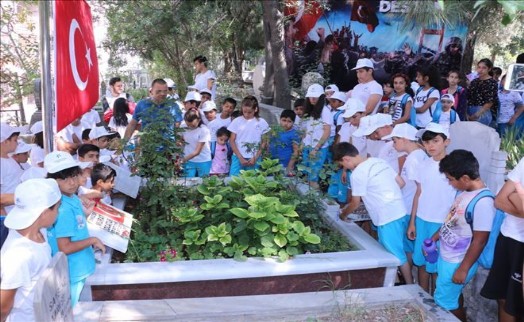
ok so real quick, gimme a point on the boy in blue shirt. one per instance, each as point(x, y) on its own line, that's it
point(69, 233)
point(284, 144)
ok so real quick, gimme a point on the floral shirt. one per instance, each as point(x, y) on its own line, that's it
point(481, 92)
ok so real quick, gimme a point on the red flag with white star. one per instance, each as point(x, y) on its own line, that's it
point(76, 61)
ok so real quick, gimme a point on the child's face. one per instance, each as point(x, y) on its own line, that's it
point(299, 111)
point(193, 124)
point(91, 156)
point(21, 157)
point(227, 109)
point(329, 93)
point(222, 140)
point(446, 105)
point(334, 103)
point(204, 98)
point(102, 142)
point(313, 100)
point(364, 76)
point(436, 146)
point(399, 144)
point(453, 79)
point(387, 89)
point(379, 133)
point(421, 80)
point(68, 186)
point(286, 123)
point(107, 185)
point(248, 112)
point(211, 115)
point(348, 162)
point(355, 119)
point(82, 179)
point(10, 145)
point(399, 84)
point(189, 105)
point(459, 184)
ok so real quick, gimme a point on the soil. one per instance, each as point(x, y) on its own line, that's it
point(400, 312)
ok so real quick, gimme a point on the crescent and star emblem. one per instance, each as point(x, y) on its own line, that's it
point(72, 55)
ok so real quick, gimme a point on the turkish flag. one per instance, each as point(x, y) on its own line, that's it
point(306, 14)
point(76, 61)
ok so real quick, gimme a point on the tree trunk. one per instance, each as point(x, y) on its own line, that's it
point(20, 98)
point(268, 91)
point(273, 20)
point(467, 56)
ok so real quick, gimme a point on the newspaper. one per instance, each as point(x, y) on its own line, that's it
point(111, 225)
point(125, 181)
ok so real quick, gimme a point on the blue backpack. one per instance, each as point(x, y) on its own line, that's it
point(486, 257)
point(438, 112)
point(336, 115)
point(429, 93)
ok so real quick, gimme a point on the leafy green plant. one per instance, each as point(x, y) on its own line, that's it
point(514, 146)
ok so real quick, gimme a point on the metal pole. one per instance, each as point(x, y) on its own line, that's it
point(44, 8)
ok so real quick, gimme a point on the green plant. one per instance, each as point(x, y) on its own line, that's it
point(514, 146)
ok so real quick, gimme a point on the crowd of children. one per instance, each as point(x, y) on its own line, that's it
point(387, 144)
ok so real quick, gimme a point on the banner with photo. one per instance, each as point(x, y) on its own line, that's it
point(331, 41)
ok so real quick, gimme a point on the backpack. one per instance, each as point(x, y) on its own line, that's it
point(213, 147)
point(429, 93)
point(337, 114)
point(412, 112)
point(438, 113)
point(486, 257)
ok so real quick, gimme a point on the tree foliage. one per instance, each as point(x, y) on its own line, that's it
point(169, 34)
point(19, 47)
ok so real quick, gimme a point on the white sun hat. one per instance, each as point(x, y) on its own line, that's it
point(402, 130)
point(315, 90)
point(368, 124)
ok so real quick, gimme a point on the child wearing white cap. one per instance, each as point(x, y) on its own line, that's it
point(69, 234)
point(368, 90)
point(444, 113)
point(21, 155)
point(354, 110)
point(432, 201)
point(26, 253)
point(317, 127)
point(10, 172)
point(37, 154)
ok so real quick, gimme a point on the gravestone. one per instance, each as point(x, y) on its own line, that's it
point(52, 300)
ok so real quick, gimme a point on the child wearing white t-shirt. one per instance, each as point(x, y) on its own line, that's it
point(461, 241)
point(222, 120)
point(247, 137)
point(197, 152)
point(445, 114)
point(374, 181)
point(26, 253)
point(427, 96)
point(432, 200)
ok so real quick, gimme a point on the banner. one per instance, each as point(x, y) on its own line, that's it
point(76, 61)
point(332, 43)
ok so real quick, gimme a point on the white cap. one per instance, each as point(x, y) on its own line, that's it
point(403, 130)
point(193, 96)
point(448, 97)
point(37, 127)
point(170, 82)
point(98, 132)
point(208, 106)
point(353, 106)
point(7, 130)
point(339, 96)
point(22, 147)
point(59, 160)
point(332, 87)
point(192, 88)
point(315, 90)
point(368, 124)
point(32, 197)
point(207, 91)
point(33, 173)
point(435, 128)
point(363, 62)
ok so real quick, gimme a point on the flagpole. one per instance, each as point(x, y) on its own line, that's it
point(46, 85)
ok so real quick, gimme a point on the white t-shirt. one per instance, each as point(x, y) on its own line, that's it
point(314, 129)
point(201, 81)
point(374, 147)
point(91, 118)
point(445, 119)
point(23, 262)
point(36, 155)
point(362, 92)
point(67, 133)
point(408, 174)
point(10, 173)
point(395, 108)
point(248, 134)
point(424, 118)
point(456, 234)
point(508, 102)
point(340, 121)
point(374, 181)
point(513, 226)
point(120, 129)
point(359, 142)
point(111, 99)
point(388, 153)
point(437, 194)
point(216, 124)
point(194, 136)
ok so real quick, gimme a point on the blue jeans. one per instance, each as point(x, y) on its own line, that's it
point(485, 118)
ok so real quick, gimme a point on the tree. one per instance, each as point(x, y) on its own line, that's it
point(19, 47)
point(276, 83)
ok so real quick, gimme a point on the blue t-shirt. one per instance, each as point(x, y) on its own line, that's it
point(281, 145)
point(71, 222)
point(147, 111)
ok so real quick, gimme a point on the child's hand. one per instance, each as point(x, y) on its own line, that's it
point(244, 162)
point(412, 233)
point(519, 189)
point(459, 277)
point(88, 204)
point(98, 244)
